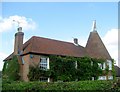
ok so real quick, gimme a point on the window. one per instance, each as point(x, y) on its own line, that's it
point(44, 79)
point(102, 78)
point(109, 63)
point(91, 63)
point(75, 64)
point(110, 77)
point(44, 63)
point(6, 65)
point(102, 66)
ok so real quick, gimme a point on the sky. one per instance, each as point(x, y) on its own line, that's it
point(59, 20)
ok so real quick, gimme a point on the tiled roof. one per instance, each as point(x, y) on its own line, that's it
point(49, 46)
point(95, 47)
point(9, 57)
point(39, 45)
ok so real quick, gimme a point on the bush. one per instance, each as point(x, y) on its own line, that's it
point(65, 86)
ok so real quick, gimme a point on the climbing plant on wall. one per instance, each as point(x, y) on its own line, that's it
point(62, 68)
point(35, 73)
point(11, 69)
point(113, 69)
point(65, 69)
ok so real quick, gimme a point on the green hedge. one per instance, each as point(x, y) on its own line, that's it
point(58, 86)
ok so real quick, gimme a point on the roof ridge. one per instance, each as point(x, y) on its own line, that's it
point(52, 39)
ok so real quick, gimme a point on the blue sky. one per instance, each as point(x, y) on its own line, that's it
point(61, 21)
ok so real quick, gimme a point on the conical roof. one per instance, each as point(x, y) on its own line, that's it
point(95, 47)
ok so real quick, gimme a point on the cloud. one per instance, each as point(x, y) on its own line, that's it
point(111, 37)
point(7, 24)
point(111, 42)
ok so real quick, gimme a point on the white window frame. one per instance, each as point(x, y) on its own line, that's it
point(102, 65)
point(6, 65)
point(110, 77)
point(44, 79)
point(44, 64)
point(102, 78)
point(76, 65)
point(91, 63)
point(109, 63)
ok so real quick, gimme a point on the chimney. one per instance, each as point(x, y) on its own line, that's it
point(18, 45)
point(75, 41)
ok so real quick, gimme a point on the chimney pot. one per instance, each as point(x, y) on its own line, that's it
point(20, 29)
point(76, 41)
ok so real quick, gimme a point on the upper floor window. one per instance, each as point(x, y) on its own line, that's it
point(102, 65)
point(75, 64)
point(44, 63)
point(109, 63)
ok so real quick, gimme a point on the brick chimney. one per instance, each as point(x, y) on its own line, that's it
point(18, 45)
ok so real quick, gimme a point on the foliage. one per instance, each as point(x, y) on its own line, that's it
point(11, 69)
point(36, 72)
point(113, 69)
point(0, 74)
point(59, 86)
point(63, 68)
point(0, 84)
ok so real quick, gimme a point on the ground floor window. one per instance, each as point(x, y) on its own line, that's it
point(102, 78)
point(44, 79)
point(110, 77)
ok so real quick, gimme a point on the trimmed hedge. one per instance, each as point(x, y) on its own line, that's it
point(58, 86)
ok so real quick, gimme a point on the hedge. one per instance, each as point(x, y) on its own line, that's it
point(58, 86)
